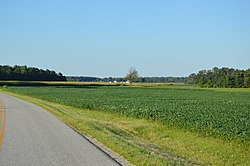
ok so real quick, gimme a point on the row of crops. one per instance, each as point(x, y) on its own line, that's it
point(223, 114)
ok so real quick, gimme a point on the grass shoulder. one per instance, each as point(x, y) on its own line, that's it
point(145, 142)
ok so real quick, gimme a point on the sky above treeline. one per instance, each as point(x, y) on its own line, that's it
point(106, 38)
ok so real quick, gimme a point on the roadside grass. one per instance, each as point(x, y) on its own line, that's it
point(145, 142)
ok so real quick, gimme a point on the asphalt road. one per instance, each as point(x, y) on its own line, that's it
point(33, 137)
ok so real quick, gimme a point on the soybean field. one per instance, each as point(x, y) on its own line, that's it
point(219, 113)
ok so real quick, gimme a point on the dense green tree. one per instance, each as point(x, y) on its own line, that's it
point(247, 78)
point(132, 75)
point(24, 73)
point(223, 77)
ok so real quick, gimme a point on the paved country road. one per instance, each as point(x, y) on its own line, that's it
point(33, 137)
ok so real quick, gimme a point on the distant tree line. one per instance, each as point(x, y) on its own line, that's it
point(122, 79)
point(221, 77)
point(162, 79)
point(24, 73)
point(93, 79)
point(83, 79)
point(149, 79)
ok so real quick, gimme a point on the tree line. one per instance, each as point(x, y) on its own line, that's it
point(221, 77)
point(82, 79)
point(24, 73)
point(217, 77)
point(123, 79)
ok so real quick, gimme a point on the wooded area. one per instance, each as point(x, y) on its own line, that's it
point(24, 73)
point(221, 77)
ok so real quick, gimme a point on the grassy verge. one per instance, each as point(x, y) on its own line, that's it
point(144, 142)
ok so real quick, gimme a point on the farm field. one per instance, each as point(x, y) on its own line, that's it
point(222, 114)
point(155, 124)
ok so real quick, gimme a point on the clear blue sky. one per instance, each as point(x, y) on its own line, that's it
point(107, 37)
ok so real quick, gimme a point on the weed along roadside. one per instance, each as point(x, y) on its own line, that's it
point(141, 141)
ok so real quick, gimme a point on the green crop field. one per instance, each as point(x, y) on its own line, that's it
point(223, 114)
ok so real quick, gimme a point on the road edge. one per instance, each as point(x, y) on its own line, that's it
point(112, 155)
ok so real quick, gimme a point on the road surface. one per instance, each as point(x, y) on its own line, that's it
point(32, 136)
